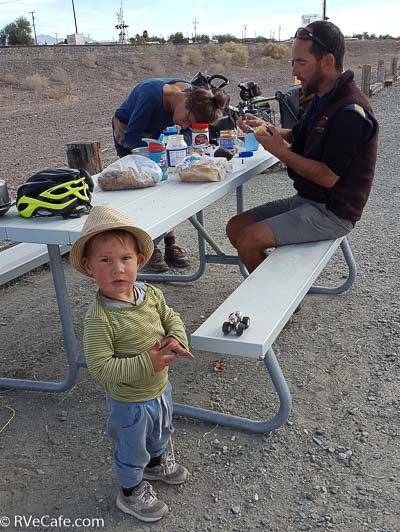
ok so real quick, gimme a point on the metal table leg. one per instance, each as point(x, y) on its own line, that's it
point(352, 266)
point(285, 405)
point(68, 334)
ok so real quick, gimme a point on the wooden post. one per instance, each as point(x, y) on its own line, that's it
point(366, 79)
point(394, 68)
point(380, 75)
point(84, 155)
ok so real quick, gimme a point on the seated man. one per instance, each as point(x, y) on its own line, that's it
point(331, 159)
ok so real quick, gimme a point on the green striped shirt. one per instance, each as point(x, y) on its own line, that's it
point(116, 341)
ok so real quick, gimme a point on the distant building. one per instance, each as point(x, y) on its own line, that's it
point(307, 19)
point(76, 38)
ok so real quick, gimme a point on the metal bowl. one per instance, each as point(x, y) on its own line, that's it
point(4, 195)
point(4, 208)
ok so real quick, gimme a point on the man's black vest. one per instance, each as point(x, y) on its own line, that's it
point(350, 194)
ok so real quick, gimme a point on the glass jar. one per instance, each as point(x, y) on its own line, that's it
point(227, 139)
point(200, 135)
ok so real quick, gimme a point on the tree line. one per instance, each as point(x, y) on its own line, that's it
point(19, 32)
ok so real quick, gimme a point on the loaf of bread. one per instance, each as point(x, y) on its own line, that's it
point(203, 169)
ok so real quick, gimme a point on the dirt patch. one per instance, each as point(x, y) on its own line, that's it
point(335, 465)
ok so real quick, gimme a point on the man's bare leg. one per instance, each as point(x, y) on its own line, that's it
point(250, 238)
point(236, 224)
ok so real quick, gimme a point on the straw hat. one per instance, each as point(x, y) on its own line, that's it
point(100, 220)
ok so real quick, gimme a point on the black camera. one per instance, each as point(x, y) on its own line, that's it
point(249, 90)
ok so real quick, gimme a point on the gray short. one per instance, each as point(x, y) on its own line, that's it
point(296, 219)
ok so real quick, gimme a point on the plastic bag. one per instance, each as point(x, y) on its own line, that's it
point(132, 171)
point(197, 168)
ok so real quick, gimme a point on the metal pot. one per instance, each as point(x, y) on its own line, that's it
point(5, 202)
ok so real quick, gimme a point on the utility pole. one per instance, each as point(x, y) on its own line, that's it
point(33, 23)
point(56, 34)
point(195, 29)
point(279, 29)
point(73, 9)
point(324, 17)
point(121, 25)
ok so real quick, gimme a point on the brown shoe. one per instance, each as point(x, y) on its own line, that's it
point(156, 263)
point(176, 256)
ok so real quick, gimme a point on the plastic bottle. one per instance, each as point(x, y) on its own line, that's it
point(176, 151)
point(200, 135)
point(167, 133)
point(158, 154)
point(250, 142)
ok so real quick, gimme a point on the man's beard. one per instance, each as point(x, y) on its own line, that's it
point(315, 82)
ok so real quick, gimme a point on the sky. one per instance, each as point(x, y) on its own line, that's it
point(277, 19)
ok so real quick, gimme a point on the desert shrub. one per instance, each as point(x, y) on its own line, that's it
point(214, 54)
point(239, 53)
point(240, 57)
point(211, 52)
point(35, 83)
point(8, 79)
point(193, 56)
point(60, 75)
point(156, 68)
point(57, 93)
point(89, 60)
point(274, 50)
point(231, 46)
point(267, 61)
point(169, 48)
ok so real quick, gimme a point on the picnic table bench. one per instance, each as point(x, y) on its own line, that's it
point(269, 296)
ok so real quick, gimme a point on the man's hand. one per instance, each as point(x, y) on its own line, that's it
point(272, 141)
point(249, 120)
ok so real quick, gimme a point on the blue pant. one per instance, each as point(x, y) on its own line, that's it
point(140, 431)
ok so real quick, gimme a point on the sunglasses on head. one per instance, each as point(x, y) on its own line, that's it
point(307, 35)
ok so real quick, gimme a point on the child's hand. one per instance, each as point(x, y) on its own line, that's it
point(176, 347)
point(161, 356)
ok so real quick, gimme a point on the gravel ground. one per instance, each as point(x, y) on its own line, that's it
point(334, 465)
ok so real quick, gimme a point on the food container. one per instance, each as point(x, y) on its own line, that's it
point(200, 135)
point(227, 139)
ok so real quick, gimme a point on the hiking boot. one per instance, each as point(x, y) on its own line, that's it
point(167, 471)
point(157, 263)
point(142, 504)
point(176, 256)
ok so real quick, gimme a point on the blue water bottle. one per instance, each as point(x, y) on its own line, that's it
point(250, 142)
point(158, 154)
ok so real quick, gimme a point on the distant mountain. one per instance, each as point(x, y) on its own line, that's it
point(48, 39)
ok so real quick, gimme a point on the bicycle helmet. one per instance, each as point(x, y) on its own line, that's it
point(62, 192)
